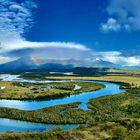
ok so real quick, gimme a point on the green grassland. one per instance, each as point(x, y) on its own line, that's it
point(123, 72)
point(108, 108)
point(43, 91)
point(34, 76)
point(115, 117)
point(111, 117)
point(121, 130)
point(133, 80)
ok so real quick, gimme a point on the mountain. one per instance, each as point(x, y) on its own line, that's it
point(101, 63)
point(17, 65)
point(28, 64)
point(54, 67)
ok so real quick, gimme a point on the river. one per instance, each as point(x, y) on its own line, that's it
point(110, 89)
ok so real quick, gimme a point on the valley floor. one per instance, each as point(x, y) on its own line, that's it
point(115, 117)
point(133, 80)
point(44, 91)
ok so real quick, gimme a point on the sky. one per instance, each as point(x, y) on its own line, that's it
point(89, 30)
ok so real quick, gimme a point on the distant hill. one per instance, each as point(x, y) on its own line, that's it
point(27, 64)
point(101, 63)
point(18, 65)
point(23, 65)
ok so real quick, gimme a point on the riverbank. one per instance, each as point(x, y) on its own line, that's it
point(74, 108)
point(84, 97)
point(107, 108)
point(120, 130)
point(110, 117)
point(44, 91)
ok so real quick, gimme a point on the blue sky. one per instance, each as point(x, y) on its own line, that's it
point(79, 21)
point(82, 29)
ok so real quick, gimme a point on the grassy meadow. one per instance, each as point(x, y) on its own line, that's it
point(43, 91)
point(133, 80)
point(115, 117)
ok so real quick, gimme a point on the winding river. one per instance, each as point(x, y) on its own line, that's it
point(21, 126)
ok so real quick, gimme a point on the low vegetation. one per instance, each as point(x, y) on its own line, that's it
point(43, 91)
point(81, 71)
point(133, 80)
point(115, 117)
point(108, 108)
point(123, 72)
point(120, 130)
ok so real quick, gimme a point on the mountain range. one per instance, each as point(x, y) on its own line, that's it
point(27, 64)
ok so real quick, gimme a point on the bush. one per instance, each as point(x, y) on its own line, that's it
point(134, 125)
point(119, 133)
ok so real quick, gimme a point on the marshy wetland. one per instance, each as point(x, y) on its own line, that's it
point(112, 108)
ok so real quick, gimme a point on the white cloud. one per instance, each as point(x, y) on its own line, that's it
point(6, 59)
point(125, 13)
point(111, 25)
point(26, 44)
point(109, 53)
point(15, 19)
point(123, 61)
point(117, 57)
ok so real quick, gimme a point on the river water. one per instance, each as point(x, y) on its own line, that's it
point(9, 125)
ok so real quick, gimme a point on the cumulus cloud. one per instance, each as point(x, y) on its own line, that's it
point(123, 61)
point(123, 15)
point(119, 59)
point(111, 25)
point(126, 14)
point(15, 19)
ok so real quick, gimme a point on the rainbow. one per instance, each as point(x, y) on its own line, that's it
point(35, 59)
